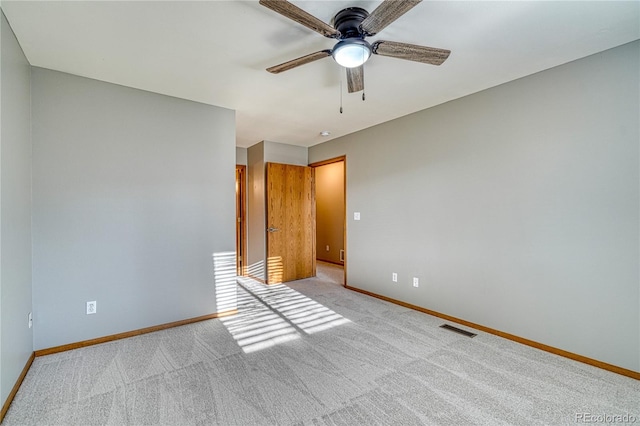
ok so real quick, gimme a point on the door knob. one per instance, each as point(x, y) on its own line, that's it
point(272, 229)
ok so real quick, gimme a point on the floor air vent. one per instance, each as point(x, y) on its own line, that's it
point(458, 330)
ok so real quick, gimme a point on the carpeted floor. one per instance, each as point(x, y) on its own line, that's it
point(315, 353)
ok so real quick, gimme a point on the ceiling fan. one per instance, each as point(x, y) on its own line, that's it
point(350, 27)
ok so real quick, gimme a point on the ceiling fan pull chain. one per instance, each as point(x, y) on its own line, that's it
point(341, 77)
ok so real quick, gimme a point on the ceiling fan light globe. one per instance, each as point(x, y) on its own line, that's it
point(351, 53)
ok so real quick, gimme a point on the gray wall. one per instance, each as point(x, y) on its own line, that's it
point(241, 156)
point(516, 207)
point(256, 238)
point(16, 341)
point(275, 152)
point(133, 206)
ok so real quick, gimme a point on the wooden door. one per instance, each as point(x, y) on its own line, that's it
point(291, 233)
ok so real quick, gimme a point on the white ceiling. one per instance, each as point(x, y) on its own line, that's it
point(216, 52)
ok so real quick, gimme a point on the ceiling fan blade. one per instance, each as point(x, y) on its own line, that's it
point(386, 13)
point(410, 52)
point(277, 69)
point(291, 11)
point(355, 79)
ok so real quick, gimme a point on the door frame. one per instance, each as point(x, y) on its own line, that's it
point(241, 223)
point(342, 158)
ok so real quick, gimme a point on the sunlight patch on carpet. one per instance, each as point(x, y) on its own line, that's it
point(274, 314)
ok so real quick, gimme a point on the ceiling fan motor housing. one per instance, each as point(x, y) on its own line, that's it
point(348, 21)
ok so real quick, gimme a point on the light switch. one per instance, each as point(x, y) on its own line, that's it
point(356, 215)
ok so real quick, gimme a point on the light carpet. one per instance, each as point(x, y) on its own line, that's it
point(315, 353)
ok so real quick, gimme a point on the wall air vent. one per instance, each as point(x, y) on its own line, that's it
point(458, 330)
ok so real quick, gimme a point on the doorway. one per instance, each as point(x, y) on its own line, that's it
point(241, 228)
point(330, 185)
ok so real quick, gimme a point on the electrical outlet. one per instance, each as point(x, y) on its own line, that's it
point(416, 282)
point(356, 215)
point(92, 307)
point(394, 277)
point(30, 320)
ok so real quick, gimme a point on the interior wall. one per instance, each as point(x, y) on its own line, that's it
point(516, 207)
point(330, 211)
point(283, 153)
point(241, 156)
point(134, 207)
point(16, 338)
point(256, 239)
